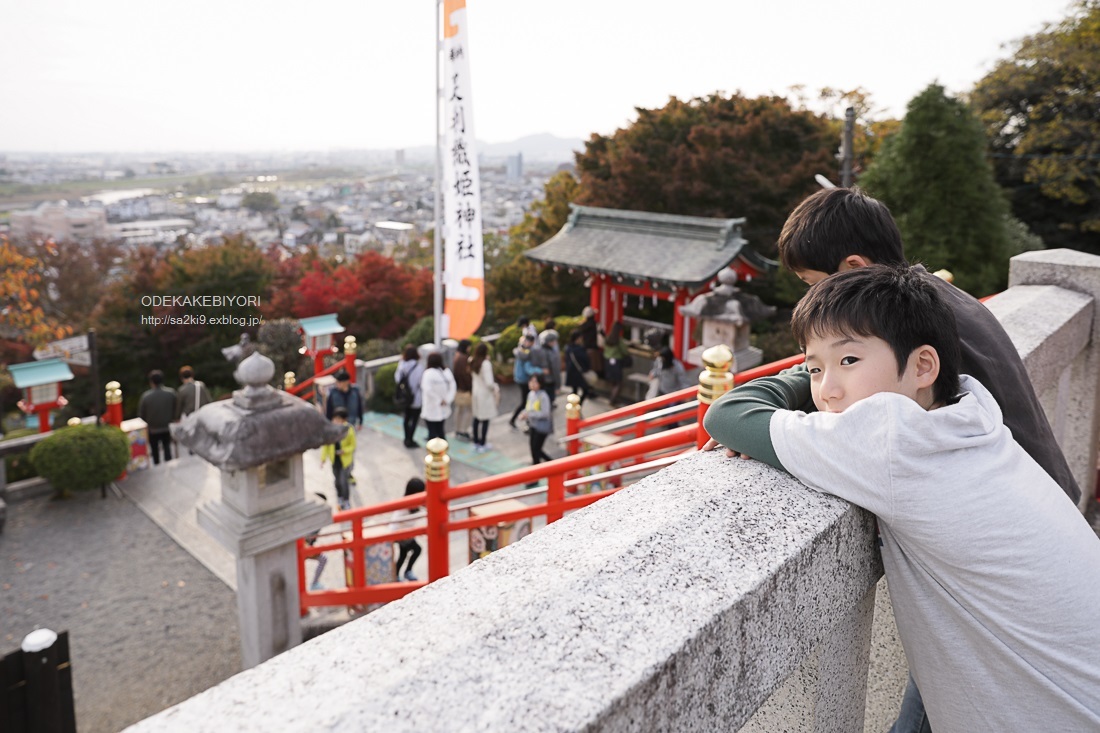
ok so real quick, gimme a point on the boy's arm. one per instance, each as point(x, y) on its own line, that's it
point(741, 419)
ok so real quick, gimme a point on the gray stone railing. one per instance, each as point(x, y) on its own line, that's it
point(716, 594)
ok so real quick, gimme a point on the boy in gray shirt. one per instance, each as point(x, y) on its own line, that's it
point(994, 616)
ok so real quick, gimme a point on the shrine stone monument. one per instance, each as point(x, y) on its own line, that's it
point(257, 439)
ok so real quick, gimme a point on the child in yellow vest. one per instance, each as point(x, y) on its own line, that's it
point(342, 455)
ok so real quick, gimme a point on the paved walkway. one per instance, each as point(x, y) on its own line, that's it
point(171, 493)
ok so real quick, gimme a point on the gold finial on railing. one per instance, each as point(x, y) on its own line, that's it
point(573, 407)
point(73, 422)
point(717, 378)
point(349, 345)
point(945, 275)
point(114, 393)
point(437, 464)
point(289, 380)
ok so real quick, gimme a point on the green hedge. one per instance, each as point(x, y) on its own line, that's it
point(81, 457)
point(384, 385)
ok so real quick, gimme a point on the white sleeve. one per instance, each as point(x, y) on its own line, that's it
point(847, 454)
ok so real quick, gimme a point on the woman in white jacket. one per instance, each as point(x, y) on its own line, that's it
point(437, 394)
point(486, 396)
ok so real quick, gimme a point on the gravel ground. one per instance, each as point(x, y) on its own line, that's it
point(148, 625)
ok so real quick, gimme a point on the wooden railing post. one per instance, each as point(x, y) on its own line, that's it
point(349, 356)
point(437, 478)
point(714, 381)
point(113, 399)
point(572, 421)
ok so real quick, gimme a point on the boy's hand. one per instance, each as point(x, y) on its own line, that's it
point(712, 444)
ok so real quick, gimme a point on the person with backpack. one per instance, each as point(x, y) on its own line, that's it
point(407, 391)
point(191, 395)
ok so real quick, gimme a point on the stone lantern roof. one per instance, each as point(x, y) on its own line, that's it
point(259, 425)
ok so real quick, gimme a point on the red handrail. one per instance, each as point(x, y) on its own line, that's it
point(348, 363)
point(439, 494)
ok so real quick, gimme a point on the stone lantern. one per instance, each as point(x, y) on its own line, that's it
point(257, 440)
point(726, 316)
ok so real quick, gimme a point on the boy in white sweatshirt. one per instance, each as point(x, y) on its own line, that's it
point(995, 578)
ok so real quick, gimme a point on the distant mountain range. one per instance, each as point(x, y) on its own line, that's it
point(540, 148)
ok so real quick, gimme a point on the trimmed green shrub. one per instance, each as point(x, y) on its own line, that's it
point(384, 385)
point(422, 332)
point(81, 457)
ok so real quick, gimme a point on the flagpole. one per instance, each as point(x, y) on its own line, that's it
point(437, 313)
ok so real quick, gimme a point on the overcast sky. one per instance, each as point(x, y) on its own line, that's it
point(130, 75)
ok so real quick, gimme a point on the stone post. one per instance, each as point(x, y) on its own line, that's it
point(257, 440)
point(1076, 418)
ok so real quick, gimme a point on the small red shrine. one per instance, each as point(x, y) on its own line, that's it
point(640, 253)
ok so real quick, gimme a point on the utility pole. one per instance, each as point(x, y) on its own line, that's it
point(846, 153)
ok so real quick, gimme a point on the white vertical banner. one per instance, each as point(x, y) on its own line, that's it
point(463, 264)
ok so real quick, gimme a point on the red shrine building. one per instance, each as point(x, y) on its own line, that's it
point(666, 256)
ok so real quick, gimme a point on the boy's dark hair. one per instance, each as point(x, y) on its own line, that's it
point(186, 372)
point(464, 346)
point(156, 377)
point(898, 304)
point(414, 486)
point(342, 376)
point(340, 412)
point(409, 353)
point(835, 223)
point(435, 360)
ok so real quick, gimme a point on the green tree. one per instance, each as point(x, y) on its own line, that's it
point(514, 284)
point(260, 201)
point(713, 156)
point(1040, 109)
point(935, 178)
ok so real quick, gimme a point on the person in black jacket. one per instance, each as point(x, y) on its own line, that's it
point(346, 395)
point(157, 408)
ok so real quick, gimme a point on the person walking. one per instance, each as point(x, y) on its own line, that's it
point(191, 395)
point(486, 396)
point(346, 395)
point(342, 455)
point(460, 367)
point(549, 340)
point(590, 337)
point(437, 390)
point(407, 549)
point(615, 358)
point(540, 419)
point(577, 366)
point(410, 373)
point(668, 373)
point(521, 373)
point(157, 407)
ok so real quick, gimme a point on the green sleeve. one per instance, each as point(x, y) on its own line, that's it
point(741, 419)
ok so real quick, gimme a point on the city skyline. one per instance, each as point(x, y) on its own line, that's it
point(127, 77)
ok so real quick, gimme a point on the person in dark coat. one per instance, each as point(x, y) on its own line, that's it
point(157, 408)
